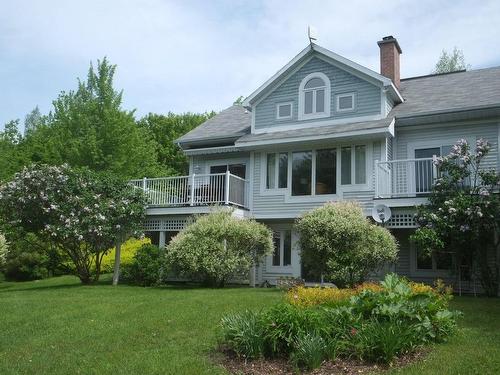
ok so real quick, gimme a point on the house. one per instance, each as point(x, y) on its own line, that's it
point(325, 128)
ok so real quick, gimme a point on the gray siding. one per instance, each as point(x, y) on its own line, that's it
point(368, 96)
point(447, 135)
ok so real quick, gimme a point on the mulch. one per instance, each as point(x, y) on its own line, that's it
point(241, 366)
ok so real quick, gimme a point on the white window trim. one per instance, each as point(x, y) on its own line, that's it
point(337, 102)
point(263, 186)
point(419, 272)
point(302, 115)
point(278, 105)
point(368, 155)
point(282, 233)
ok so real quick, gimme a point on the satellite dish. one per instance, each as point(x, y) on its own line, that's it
point(381, 213)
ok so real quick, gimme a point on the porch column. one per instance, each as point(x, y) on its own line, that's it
point(161, 242)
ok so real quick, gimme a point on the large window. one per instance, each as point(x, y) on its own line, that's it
point(282, 255)
point(314, 96)
point(301, 173)
point(438, 260)
point(353, 165)
point(277, 170)
point(326, 171)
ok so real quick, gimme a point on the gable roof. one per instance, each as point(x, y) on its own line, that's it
point(449, 92)
point(228, 125)
point(340, 61)
point(473, 91)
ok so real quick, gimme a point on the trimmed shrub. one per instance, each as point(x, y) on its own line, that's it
point(218, 247)
point(128, 250)
point(341, 244)
point(146, 266)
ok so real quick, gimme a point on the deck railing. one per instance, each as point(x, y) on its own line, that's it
point(195, 190)
point(404, 178)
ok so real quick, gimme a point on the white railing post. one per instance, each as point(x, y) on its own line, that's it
point(226, 192)
point(191, 191)
point(377, 189)
point(144, 184)
point(434, 168)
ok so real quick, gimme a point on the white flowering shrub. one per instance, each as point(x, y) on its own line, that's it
point(338, 242)
point(463, 212)
point(80, 211)
point(3, 251)
point(218, 247)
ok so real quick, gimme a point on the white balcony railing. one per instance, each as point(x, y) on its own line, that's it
point(404, 178)
point(195, 190)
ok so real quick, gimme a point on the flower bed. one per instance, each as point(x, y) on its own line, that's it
point(371, 323)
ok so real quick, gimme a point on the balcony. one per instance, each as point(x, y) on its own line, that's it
point(195, 190)
point(404, 178)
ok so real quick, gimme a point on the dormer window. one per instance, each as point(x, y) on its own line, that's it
point(314, 97)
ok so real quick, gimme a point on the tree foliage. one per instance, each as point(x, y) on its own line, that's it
point(81, 212)
point(338, 242)
point(164, 129)
point(463, 212)
point(218, 247)
point(12, 158)
point(451, 62)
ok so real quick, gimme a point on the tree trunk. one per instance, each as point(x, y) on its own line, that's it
point(116, 270)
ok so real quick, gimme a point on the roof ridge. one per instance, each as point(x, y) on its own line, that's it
point(448, 73)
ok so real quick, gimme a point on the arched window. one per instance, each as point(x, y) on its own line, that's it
point(314, 96)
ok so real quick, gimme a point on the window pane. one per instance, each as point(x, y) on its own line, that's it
point(345, 166)
point(283, 171)
point(445, 150)
point(287, 248)
point(443, 260)
point(360, 164)
point(424, 260)
point(345, 102)
point(284, 110)
point(326, 171)
point(276, 253)
point(314, 82)
point(308, 102)
point(271, 171)
point(320, 101)
point(301, 173)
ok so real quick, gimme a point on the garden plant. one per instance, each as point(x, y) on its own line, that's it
point(374, 322)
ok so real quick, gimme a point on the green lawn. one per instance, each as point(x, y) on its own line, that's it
point(57, 326)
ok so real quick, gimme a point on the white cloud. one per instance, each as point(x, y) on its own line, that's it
point(198, 55)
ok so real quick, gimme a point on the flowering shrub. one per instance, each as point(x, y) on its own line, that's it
point(81, 212)
point(374, 322)
point(217, 247)
point(339, 243)
point(306, 297)
point(128, 250)
point(3, 251)
point(145, 268)
point(462, 213)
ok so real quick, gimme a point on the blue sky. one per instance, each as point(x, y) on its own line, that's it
point(201, 55)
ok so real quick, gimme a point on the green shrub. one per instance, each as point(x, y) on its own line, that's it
point(243, 333)
point(4, 249)
point(377, 323)
point(128, 250)
point(145, 267)
point(218, 247)
point(309, 351)
point(339, 243)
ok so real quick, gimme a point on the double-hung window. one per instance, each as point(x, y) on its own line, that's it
point(314, 96)
point(353, 165)
point(277, 170)
point(282, 255)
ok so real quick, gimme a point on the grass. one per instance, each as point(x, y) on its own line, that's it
point(58, 326)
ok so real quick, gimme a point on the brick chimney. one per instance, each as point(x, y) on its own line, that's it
point(389, 58)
